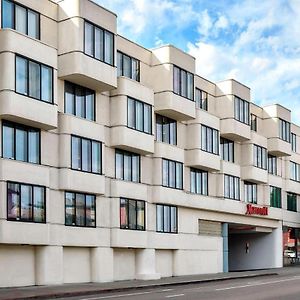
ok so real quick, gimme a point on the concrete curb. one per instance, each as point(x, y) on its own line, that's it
point(98, 291)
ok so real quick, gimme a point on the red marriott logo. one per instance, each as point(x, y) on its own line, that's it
point(254, 210)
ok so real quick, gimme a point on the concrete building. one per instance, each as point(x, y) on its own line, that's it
point(119, 162)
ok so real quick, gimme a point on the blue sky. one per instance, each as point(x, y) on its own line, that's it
point(256, 42)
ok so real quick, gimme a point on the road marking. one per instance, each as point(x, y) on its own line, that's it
point(117, 296)
point(173, 296)
point(167, 290)
point(256, 284)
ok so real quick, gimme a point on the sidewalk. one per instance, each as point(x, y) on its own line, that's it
point(68, 290)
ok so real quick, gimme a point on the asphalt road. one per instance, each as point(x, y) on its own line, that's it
point(269, 287)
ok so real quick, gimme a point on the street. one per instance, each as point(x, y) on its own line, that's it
point(270, 287)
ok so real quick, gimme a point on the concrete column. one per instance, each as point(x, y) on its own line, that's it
point(145, 264)
point(225, 246)
point(49, 265)
point(278, 246)
point(102, 264)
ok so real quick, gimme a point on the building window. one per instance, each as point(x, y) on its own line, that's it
point(295, 171)
point(227, 150)
point(128, 66)
point(166, 130)
point(166, 218)
point(26, 202)
point(201, 99)
point(139, 115)
point(231, 187)
point(98, 43)
point(172, 174)
point(250, 192)
point(284, 130)
point(241, 110)
point(86, 155)
point(20, 142)
point(272, 164)
point(20, 18)
point(80, 209)
point(275, 196)
point(33, 79)
point(79, 101)
point(291, 202)
point(253, 122)
point(199, 182)
point(294, 142)
point(127, 166)
point(260, 157)
point(183, 83)
point(209, 140)
point(132, 214)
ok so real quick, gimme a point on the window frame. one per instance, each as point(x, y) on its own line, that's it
point(168, 122)
point(131, 154)
point(263, 155)
point(199, 103)
point(14, 18)
point(131, 59)
point(27, 129)
point(186, 83)
point(291, 207)
point(113, 64)
point(32, 199)
point(294, 142)
point(275, 204)
point(204, 190)
point(101, 154)
point(168, 178)
point(234, 188)
point(28, 60)
point(284, 130)
point(136, 215)
point(237, 116)
point(163, 221)
point(273, 164)
point(253, 122)
point(85, 219)
point(253, 189)
point(143, 116)
point(212, 139)
point(225, 146)
point(294, 176)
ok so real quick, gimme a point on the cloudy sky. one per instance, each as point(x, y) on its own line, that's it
point(256, 42)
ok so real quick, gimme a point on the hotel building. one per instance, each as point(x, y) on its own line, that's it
point(120, 162)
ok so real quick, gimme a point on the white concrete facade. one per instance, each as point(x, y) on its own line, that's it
point(50, 252)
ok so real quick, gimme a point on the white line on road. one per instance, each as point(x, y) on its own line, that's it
point(173, 296)
point(167, 290)
point(117, 296)
point(256, 284)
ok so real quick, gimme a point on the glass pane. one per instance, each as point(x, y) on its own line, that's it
point(226, 186)
point(167, 219)
point(96, 156)
point(131, 113)
point(173, 219)
point(99, 44)
point(135, 73)
point(198, 182)
point(140, 210)
point(80, 210)
point(179, 178)
point(34, 146)
point(86, 155)
point(127, 167)
point(47, 84)
point(147, 118)
point(209, 140)
point(165, 166)
point(159, 217)
point(172, 179)
point(176, 80)
point(119, 64)
point(193, 181)
point(89, 39)
point(70, 209)
point(109, 48)
point(21, 75)
point(33, 24)
point(132, 214)
point(166, 131)
point(139, 113)
point(21, 145)
point(76, 153)
point(39, 204)
point(13, 201)
point(34, 80)
point(90, 105)
point(8, 14)
point(136, 168)
point(123, 214)
point(215, 142)
point(69, 99)
point(190, 86)
point(90, 210)
point(183, 83)
point(119, 165)
point(173, 133)
point(26, 205)
point(21, 19)
point(8, 142)
point(203, 138)
point(159, 130)
point(80, 101)
point(126, 66)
